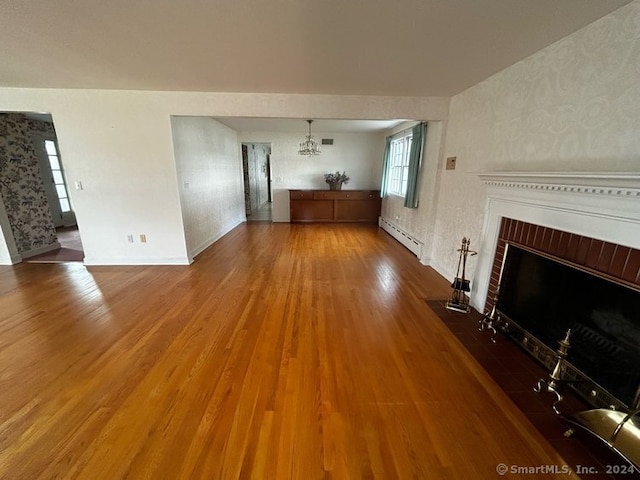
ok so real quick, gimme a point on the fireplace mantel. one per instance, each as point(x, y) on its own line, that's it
point(600, 205)
point(591, 183)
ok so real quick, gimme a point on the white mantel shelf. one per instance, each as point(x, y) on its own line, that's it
point(601, 205)
point(599, 183)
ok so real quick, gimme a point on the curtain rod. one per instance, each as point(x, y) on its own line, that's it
point(402, 132)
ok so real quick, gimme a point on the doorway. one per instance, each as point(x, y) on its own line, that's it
point(40, 217)
point(256, 167)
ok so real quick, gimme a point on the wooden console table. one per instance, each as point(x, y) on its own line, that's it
point(334, 205)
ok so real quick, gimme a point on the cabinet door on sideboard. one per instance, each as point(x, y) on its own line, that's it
point(311, 210)
point(358, 210)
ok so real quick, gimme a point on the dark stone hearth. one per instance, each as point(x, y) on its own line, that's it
point(517, 373)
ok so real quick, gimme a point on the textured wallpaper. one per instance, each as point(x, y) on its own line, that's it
point(209, 167)
point(574, 106)
point(21, 184)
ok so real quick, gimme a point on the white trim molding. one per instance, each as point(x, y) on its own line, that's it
point(600, 205)
point(595, 183)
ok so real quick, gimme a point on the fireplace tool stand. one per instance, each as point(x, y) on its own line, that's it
point(556, 381)
point(459, 301)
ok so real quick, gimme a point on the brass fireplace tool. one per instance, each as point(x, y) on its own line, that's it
point(618, 429)
point(555, 377)
point(459, 301)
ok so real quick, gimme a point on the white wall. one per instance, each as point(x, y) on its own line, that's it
point(209, 167)
point(359, 154)
point(119, 144)
point(574, 106)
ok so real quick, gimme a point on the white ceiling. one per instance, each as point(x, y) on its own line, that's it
point(369, 47)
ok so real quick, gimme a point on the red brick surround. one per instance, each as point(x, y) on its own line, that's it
point(615, 262)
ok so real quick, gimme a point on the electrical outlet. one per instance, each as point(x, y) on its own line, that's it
point(130, 238)
point(451, 163)
point(143, 238)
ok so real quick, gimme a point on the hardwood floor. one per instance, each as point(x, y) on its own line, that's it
point(283, 352)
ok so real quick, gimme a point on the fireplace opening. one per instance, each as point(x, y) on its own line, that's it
point(544, 297)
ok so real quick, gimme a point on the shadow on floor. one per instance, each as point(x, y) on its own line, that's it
point(70, 248)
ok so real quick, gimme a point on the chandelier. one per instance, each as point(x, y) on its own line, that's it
point(309, 146)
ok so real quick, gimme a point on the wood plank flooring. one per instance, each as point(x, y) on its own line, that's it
point(283, 352)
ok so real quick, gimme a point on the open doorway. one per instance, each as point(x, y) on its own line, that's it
point(33, 189)
point(256, 167)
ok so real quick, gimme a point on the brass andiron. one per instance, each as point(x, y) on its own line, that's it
point(491, 319)
point(556, 381)
point(459, 301)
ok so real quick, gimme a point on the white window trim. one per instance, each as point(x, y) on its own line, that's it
point(399, 164)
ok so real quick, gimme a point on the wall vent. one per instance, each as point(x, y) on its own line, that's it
point(327, 141)
point(401, 236)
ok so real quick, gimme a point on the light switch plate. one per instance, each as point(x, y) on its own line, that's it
point(451, 163)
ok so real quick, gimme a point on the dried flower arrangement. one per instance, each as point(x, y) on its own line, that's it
point(336, 177)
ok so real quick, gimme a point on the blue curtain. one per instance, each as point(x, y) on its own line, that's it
point(415, 158)
point(385, 168)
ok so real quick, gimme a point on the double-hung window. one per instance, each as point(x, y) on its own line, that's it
point(399, 164)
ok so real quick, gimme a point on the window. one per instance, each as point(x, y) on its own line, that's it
point(399, 164)
point(58, 180)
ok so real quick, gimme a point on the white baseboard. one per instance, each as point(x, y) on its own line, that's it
point(210, 241)
point(405, 238)
point(124, 261)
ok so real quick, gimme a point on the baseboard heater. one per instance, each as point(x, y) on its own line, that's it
point(403, 237)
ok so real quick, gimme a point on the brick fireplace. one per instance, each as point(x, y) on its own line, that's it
point(549, 281)
point(599, 213)
point(587, 221)
point(587, 224)
point(618, 263)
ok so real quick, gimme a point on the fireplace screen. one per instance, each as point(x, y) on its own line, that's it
point(546, 297)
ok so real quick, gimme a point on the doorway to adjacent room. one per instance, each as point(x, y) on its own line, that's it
point(256, 168)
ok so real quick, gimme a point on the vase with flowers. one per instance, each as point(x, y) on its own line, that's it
point(335, 180)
